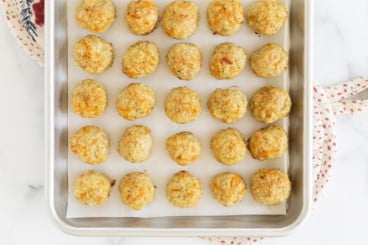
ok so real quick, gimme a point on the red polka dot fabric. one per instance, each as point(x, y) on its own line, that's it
point(26, 21)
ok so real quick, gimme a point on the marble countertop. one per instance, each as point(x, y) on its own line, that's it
point(340, 53)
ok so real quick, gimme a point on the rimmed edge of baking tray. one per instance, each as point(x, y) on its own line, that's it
point(50, 140)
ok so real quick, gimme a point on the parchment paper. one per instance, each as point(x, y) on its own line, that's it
point(159, 166)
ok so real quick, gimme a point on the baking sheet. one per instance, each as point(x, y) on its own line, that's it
point(159, 166)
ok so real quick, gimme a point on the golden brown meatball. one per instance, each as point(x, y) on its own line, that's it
point(270, 104)
point(228, 146)
point(135, 101)
point(269, 61)
point(141, 59)
point(270, 186)
point(93, 54)
point(268, 143)
point(180, 19)
point(90, 144)
point(228, 188)
point(228, 105)
point(266, 17)
point(92, 188)
point(184, 60)
point(182, 105)
point(96, 15)
point(184, 190)
point(136, 144)
point(227, 61)
point(225, 17)
point(137, 190)
point(141, 16)
point(89, 99)
point(184, 148)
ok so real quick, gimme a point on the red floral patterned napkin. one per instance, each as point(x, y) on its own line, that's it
point(26, 21)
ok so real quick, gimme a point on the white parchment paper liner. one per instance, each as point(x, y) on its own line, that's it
point(159, 166)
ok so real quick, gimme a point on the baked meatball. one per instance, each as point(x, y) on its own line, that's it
point(270, 186)
point(92, 188)
point(270, 104)
point(96, 15)
point(228, 146)
point(90, 144)
point(135, 101)
point(93, 54)
point(137, 190)
point(184, 60)
point(184, 190)
point(269, 61)
point(180, 19)
point(225, 17)
point(136, 144)
point(228, 188)
point(141, 16)
point(268, 143)
point(266, 17)
point(141, 59)
point(227, 61)
point(89, 99)
point(184, 148)
point(182, 105)
point(228, 105)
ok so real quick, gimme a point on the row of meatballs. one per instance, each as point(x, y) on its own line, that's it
point(180, 18)
point(182, 104)
point(91, 145)
point(141, 59)
point(268, 187)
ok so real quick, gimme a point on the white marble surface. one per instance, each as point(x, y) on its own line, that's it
point(341, 52)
